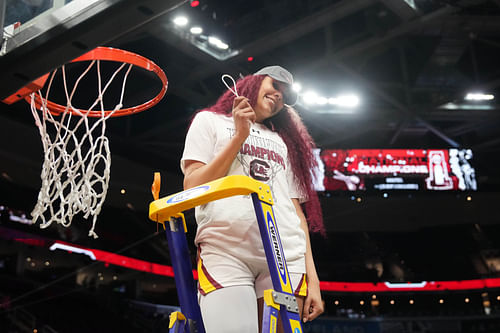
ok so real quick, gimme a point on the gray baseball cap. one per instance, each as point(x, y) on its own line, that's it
point(280, 74)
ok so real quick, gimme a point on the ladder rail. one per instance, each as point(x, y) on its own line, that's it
point(170, 209)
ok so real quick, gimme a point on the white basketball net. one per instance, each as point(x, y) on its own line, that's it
point(76, 168)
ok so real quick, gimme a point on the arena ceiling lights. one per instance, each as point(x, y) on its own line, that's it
point(339, 102)
point(477, 96)
point(195, 35)
point(473, 100)
point(342, 103)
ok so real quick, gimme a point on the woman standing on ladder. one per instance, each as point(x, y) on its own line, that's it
point(257, 134)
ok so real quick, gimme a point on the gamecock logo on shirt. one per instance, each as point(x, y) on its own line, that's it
point(259, 170)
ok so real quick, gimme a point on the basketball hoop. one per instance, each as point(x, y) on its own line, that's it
point(76, 168)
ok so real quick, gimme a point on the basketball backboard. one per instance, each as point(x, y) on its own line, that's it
point(40, 35)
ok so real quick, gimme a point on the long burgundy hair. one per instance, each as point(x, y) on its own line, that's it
point(291, 129)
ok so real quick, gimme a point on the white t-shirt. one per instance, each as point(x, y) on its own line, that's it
point(231, 222)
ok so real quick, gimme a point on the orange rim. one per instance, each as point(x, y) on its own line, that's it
point(111, 54)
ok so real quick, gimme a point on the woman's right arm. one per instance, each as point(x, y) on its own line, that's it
point(197, 173)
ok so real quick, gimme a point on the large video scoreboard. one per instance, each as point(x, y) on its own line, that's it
point(395, 169)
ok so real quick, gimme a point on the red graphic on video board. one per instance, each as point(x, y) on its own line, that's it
point(396, 169)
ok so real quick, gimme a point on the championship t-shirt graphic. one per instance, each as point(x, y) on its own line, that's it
point(262, 158)
point(232, 221)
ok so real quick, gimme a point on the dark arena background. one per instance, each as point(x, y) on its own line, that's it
point(401, 97)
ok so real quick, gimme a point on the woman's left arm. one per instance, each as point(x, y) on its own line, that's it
point(313, 304)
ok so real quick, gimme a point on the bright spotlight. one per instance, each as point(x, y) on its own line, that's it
point(296, 87)
point(479, 97)
point(217, 43)
point(213, 40)
point(310, 97)
point(320, 100)
point(196, 30)
point(181, 21)
point(222, 46)
point(349, 101)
